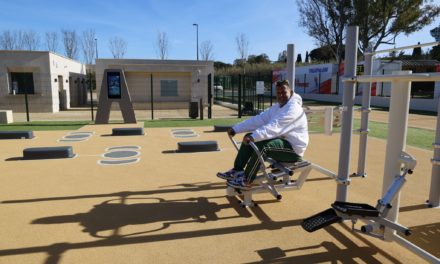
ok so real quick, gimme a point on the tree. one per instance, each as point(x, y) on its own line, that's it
point(282, 56)
point(220, 65)
point(118, 47)
point(322, 54)
point(242, 46)
point(70, 41)
point(298, 58)
point(8, 40)
point(325, 21)
point(257, 59)
point(435, 53)
point(88, 45)
point(206, 50)
point(381, 21)
point(162, 45)
point(417, 52)
point(307, 57)
point(52, 41)
point(30, 40)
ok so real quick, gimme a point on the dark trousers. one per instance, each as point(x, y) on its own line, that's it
point(277, 149)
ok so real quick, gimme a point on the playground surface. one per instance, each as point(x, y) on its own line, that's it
point(169, 207)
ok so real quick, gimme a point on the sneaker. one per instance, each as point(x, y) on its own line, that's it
point(230, 174)
point(239, 183)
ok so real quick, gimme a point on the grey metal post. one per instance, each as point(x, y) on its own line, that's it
point(291, 65)
point(434, 193)
point(365, 110)
point(347, 114)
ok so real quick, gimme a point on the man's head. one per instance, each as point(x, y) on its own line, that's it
point(284, 92)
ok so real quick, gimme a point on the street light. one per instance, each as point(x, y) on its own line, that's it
point(197, 27)
point(96, 46)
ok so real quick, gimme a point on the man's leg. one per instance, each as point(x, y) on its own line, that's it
point(277, 149)
point(244, 154)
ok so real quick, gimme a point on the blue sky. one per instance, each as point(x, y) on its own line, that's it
point(268, 24)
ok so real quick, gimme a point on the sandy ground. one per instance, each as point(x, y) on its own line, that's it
point(170, 208)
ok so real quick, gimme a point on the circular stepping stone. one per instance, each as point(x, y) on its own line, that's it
point(121, 154)
point(117, 162)
point(48, 153)
point(197, 146)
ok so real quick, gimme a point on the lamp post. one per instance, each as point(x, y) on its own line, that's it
point(96, 47)
point(197, 28)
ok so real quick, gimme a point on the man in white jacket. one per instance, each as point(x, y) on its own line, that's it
point(280, 132)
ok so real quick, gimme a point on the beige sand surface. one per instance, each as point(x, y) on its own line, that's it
point(170, 208)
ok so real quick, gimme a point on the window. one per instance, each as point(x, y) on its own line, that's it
point(22, 82)
point(168, 88)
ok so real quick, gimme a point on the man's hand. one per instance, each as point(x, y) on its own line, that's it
point(247, 139)
point(231, 132)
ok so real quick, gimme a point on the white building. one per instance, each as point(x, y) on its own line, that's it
point(51, 82)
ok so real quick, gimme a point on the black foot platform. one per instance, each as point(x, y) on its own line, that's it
point(48, 153)
point(356, 209)
point(129, 131)
point(16, 134)
point(221, 128)
point(320, 220)
point(197, 146)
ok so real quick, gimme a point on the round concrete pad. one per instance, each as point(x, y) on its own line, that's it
point(123, 147)
point(77, 136)
point(197, 146)
point(121, 154)
point(117, 162)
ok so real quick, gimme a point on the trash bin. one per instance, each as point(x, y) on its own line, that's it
point(193, 110)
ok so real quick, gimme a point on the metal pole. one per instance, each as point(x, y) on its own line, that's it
point(366, 100)
point(197, 36)
point(151, 98)
point(26, 102)
point(347, 114)
point(291, 65)
point(239, 96)
point(96, 46)
point(434, 193)
point(397, 128)
point(91, 94)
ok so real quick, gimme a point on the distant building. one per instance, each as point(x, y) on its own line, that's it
point(51, 82)
point(176, 83)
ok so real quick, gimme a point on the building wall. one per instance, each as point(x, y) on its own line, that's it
point(45, 67)
point(191, 76)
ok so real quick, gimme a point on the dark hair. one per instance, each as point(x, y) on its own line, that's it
point(282, 83)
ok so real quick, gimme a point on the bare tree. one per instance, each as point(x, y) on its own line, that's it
point(206, 50)
point(162, 45)
point(31, 40)
point(8, 40)
point(52, 41)
point(242, 46)
point(118, 47)
point(70, 41)
point(88, 45)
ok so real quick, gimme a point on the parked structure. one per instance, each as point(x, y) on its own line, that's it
point(50, 81)
point(172, 84)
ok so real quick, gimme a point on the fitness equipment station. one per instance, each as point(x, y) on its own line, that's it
point(382, 219)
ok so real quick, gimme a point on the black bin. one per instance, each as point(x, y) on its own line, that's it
point(193, 110)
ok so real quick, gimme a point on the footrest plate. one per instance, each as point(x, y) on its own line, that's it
point(359, 209)
point(320, 220)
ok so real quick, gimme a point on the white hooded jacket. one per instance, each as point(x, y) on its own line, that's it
point(288, 122)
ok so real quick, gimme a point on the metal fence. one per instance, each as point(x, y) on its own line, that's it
point(241, 91)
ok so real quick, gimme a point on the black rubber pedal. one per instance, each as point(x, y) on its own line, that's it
point(320, 220)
